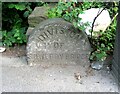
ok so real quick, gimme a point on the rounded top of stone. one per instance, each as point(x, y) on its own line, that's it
point(56, 40)
point(56, 21)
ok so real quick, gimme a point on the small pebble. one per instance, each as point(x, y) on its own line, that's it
point(81, 82)
point(108, 67)
point(114, 83)
point(2, 49)
point(97, 65)
point(108, 72)
point(97, 82)
point(60, 71)
point(30, 64)
point(50, 75)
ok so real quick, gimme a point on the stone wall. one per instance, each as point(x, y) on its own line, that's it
point(116, 57)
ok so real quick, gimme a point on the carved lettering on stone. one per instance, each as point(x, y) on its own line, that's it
point(56, 41)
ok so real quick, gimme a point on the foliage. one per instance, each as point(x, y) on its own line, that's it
point(15, 21)
point(68, 11)
point(102, 45)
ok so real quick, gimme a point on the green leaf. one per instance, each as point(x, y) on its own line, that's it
point(12, 40)
point(21, 41)
point(59, 11)
point(20, 7)
point(18, 38)
point(1, 44)
point(25, 40)
point(29, 8)
point(102, 45)
point(101, 55)
point(26, 14)
point(22, 30)
point(11, 5)
point(16, 34)
point(4, 34)
point(7, 42)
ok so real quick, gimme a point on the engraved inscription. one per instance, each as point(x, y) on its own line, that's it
point(56, 40)
point(57, 30)
point(61, 56)
point(56, 45)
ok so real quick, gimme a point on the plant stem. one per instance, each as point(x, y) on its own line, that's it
point(94, 23)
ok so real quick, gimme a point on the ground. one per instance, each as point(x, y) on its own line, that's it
point(17, 76)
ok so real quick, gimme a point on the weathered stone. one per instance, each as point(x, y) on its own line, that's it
point(97, 65)
point(2, 49)
point(101, 23)
point(29, 30)
point(56, 41)
point(39, 14)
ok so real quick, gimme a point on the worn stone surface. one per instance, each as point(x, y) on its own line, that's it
point(39, 14)
point(116, 56)
point(29, 30)
point(101, 23)
point(56, 41)
point(97, 65)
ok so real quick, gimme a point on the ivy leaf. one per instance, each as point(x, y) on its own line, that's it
point(7, 42)
point(20, 7)
point(25, 40)
point(23, 30)
point(18, 38)
point(16, 34)
point(1, 44)
point(101, 55)
point(21, 41)
point(59, 11)
point(11, 5)
point(26, 14)
point(12, 39)
point(102, 45)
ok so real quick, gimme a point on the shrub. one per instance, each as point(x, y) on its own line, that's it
point(102, 45)
point(15, 21)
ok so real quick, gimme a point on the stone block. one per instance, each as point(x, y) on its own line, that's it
point(39, 14)
point(101, 23)
point(56, 41)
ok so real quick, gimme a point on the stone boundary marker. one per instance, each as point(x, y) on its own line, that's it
point(56, 41)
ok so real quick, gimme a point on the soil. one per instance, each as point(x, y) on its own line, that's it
point(15, 51)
